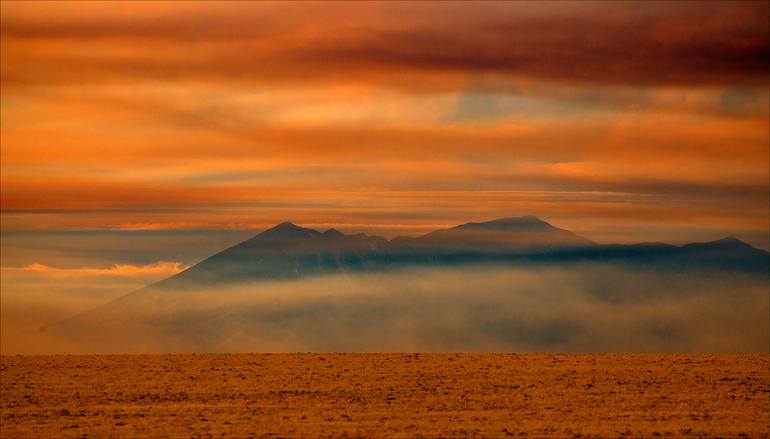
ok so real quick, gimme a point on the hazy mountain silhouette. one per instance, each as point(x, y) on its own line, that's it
point(288, 251)
point(511, 283)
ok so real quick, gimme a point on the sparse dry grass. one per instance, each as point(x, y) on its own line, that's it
point(394, 395)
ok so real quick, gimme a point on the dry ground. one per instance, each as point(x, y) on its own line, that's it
point(395, 395)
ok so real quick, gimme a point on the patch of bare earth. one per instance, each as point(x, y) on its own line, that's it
point(394, 395)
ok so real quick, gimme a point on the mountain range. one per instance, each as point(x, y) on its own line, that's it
point(288, 251)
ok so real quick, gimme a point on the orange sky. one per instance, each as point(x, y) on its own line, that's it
point(622, 121)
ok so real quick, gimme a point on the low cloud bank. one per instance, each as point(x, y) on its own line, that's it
point(586, 308)
point(162, 268)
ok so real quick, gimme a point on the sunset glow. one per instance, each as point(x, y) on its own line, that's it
point(623, 121)
point(384, 218)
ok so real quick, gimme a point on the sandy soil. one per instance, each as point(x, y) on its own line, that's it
point(394, 395)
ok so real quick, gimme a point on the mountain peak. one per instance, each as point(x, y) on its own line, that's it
point(529, 219)
point(332, 233)
point(288, 230)
point(729, 242)
point(502, 233)
point(528, 222)
point(286, 225)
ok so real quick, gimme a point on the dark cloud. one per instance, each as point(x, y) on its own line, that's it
point(638, 43)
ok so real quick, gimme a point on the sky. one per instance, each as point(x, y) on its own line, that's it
point(623, 121)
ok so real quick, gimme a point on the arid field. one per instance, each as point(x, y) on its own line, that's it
point(393, 395)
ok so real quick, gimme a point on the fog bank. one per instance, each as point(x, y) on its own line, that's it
point(585, 308)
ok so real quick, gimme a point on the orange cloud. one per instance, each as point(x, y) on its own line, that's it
point(392, 116)
point(158, 270)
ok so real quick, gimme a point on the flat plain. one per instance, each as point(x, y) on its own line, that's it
point(385, 395)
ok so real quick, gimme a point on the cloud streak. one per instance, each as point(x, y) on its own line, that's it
point(159, 269)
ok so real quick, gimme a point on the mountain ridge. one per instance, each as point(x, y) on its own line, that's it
point(289, 251)
point(300, 231)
